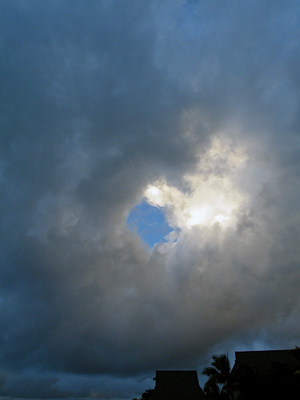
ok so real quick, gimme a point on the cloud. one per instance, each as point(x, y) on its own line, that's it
point(195, 101)
point(211, 196)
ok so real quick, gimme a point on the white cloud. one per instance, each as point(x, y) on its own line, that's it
point(191, 105)
point(211, 195)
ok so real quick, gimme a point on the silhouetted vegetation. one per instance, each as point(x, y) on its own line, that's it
point(278, 381)
point(218, 384)
point(259, 375)
point(145, 395)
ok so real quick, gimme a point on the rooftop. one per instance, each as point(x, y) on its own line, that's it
point(263, 359)
point(177, 385)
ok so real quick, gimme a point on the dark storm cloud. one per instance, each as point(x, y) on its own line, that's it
point(98, 100)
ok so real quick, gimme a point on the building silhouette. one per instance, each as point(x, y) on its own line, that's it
point(263, 374)
point(262, 360)
point(177, 385)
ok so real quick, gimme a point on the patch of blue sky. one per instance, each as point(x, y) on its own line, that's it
point(149, 222)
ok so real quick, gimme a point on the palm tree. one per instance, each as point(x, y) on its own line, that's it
point(218, 374)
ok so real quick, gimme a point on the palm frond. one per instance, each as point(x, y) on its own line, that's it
point(210, 371)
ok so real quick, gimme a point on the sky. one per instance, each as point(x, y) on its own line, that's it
point(150, 189)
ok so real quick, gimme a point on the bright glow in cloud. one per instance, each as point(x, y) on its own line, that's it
point(212, 197)
point(190, 106)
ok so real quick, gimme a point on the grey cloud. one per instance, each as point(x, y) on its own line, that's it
point(41, 385)
point(98, 101)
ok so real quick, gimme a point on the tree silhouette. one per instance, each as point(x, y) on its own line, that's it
point(145, 395)
point(218, 384)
